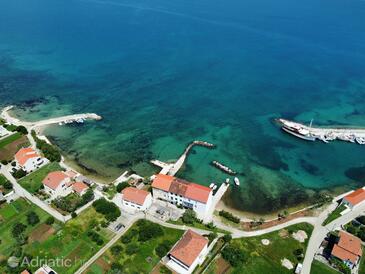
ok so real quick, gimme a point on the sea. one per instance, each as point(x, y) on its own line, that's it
point(164, 73)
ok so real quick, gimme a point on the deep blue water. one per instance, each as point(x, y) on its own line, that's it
point(163, 73)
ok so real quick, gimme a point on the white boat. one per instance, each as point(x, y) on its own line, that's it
point(60, 123)
point(211, 185)
point(236, 181)
point(215, 187)
point(227, 181)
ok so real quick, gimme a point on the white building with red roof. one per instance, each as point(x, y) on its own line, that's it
point(183, 193)
point(79, 188)
point(188, 253)
point(57, 183)
point(354, 198)
point(45, 269)
point(132, 198)
point(29, 160)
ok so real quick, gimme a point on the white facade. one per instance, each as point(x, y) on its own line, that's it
point(4, 132)
point(200, 208)
point(130, 205)
point(63, 189)
point(33, 163)
point(181, 268)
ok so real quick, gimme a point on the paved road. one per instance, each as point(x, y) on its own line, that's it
point(320, 232)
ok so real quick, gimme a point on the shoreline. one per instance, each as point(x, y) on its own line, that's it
point(72, 164)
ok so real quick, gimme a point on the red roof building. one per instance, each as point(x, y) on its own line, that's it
point(348, 249)
point(182, 188)
point(25, 154)
point(188, 250)
point(136, 198)
point(79, 187)
point(355, 198)
point(54, 179)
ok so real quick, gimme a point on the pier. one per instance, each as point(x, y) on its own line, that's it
point(57, 120)
point(172, 169)
point(353, 135)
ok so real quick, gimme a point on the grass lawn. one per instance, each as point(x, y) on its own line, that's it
point(334, 214)
point(144, 259)
point(72, 242)
point(265, 259)
point(14, 213)
point(12, 138)
point(320, 268)
point(33, 181)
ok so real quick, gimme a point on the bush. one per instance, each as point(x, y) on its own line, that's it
point(17, 232)
point(132, 249)
point(126, 239)
point(122, 186)
point(227, 238)
point(95, 237)
point(116, 250)
point(234, 255)
point(49, 151)
point(73, 214)
point(212, 236)
point(13, 164)
point(361, 235)
point(108, 209)
point(298, 252)
point(148, 230)
point(229, 216)
point(189, 216)
point(22, 130)
point(162, 249)
point(351, 229)
point(32, 218)
point(20, 173)
point(50, 220)
point(361, 220)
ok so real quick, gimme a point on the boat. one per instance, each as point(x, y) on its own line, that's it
point(227, 181)
point(360, 140)
point(236, 181)
point(297, 130)
point(215, 187)
point(60, 123)
point(211, 185)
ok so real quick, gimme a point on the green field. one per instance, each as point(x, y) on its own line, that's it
point(144, 258)
point(266, 259)
point(33, 181)
point(72, 242)
point(320, 268)
point(10, 139)
point(14, 213)
point(334, 214)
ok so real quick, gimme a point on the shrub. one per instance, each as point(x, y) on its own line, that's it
point(50, 220)
point(227, 238)
point(351, 229)
point(189, 216)
point(132, 249)
point(116, 250)
point(361, 220)
point(212, 236)
point(298, 252)
point(73, 214)
point(148, 230)
point(22, 130)
point(20, 173)
point(95, 237)
point(13, 164)
point(162, 249)
point(234, 255)
point(32, 218)
point(122, 186)
point(229, 216)
point(126, 239)
point(17, 232)
point(49, 151)
point(108, 209)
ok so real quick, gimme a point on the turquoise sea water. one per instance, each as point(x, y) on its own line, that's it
point(164, 73)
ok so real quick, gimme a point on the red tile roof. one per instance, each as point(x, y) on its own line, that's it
point(181, 187)
point(54, 179)
point(24, 154)
point(79, 187)
point(348, 248)
point(163, 182)
point(25, 272)
point(134, 195)
point(356, 197)
point(188, 249)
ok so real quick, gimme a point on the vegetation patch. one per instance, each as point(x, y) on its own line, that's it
point(8, 140)
point(334, 214)
point(140, 249)
point(49, 151)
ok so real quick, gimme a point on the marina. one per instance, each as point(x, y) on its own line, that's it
point(309, 133)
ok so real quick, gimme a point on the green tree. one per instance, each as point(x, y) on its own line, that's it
point(122, 186)
point(50, 220)
point(189, 216)
point(32, 218)
point(22, 130)
point(108, 209)
point(234, 255)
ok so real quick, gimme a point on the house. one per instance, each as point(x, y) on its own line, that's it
point(57, 183)
point(28, 159)
point(45, 270)
point(183, 193)
point(25, 272)
point(137, 199)
point(79, 188)
point(348, 249)
point(188, 253)
point(354, 198)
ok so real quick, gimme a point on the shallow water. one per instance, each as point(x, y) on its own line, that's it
point(165, 73)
